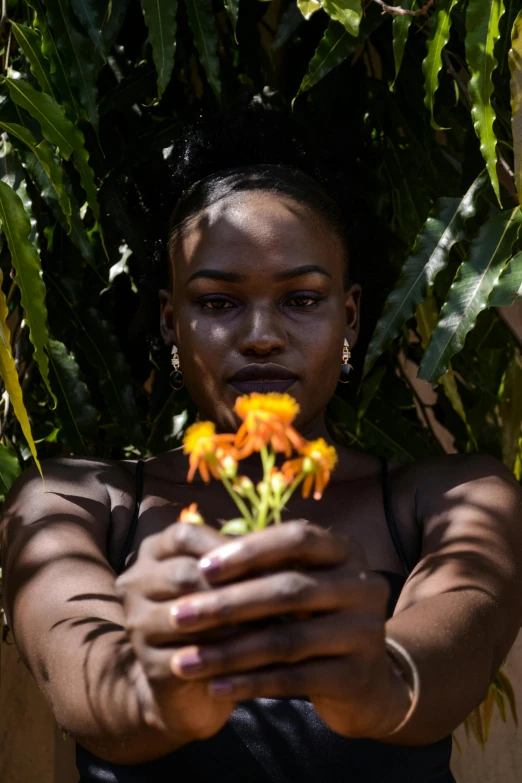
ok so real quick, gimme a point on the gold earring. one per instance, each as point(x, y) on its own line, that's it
point(346, 367)
point(176, 377)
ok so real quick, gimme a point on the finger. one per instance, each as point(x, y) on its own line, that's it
point(173, 578)
point(288, 642)
point(292, 543)
point(310, 678)
point(278, 594)
point(181, 538)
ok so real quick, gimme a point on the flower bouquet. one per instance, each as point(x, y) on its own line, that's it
point(267, 429)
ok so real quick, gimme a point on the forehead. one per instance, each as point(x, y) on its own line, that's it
point(257, 227)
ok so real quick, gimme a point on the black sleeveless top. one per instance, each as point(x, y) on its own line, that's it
point(281, 740)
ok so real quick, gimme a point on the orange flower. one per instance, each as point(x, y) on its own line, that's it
point(317, 462)
point(267, 420)
point(191, 515)
point(208, 451)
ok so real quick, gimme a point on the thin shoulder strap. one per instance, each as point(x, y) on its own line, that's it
point(138, 495)
point(390, 516)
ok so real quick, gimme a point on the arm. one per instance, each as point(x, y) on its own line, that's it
point(458, 614)
point(69, 623)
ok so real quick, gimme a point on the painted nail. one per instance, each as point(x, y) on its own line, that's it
point(221, 687)
point(211, 566)
point(187, 614)
point(190, 662)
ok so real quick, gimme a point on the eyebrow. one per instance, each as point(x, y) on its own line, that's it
point(235, 277)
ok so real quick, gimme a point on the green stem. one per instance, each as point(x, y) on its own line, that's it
point(292, 488)
point(238, 501)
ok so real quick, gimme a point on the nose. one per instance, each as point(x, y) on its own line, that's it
point(261, 332)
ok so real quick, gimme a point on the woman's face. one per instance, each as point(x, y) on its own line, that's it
point(259, 304)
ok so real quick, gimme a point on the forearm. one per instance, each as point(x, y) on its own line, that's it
point(456, 641)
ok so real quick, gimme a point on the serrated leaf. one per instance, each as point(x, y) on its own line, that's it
point(100, 345)
point(515, 67)
point(59, 74)
point(9, 376)
point(469, 293)
point(75, 413)
point(335, 46)
point(431, 67)
point(482, 32)
point(308, 7)
point(509, 286)
point(26, 262)
point(510, 408)
point(160, 18)
point(88, 15)
point(202, 23)
point(445, 226)
point(45, 155)
point(58, 130)
point(400, 29)
point(76, 53)
point(9, 469)
point(30, 42)
point(347, 12)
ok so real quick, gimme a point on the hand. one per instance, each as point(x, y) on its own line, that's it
point(331, 646)
point(167, 568)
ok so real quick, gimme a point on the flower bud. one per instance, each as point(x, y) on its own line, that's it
point(191, 515)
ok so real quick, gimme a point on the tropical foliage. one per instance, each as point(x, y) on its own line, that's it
point(427, 96)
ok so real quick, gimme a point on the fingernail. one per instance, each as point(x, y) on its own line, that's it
point(186, 614)
point(221, 687)
point(211, 566)
point(190, 662)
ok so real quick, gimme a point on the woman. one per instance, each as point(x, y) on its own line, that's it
point(344, 647)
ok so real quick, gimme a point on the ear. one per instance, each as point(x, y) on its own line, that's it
point(353, 308)
point(166, 317)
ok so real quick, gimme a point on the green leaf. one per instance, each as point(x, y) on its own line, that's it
point(9, 469)
point(58, 130)
point(473, 723)
point(482, 32)
point(469, 293)
point(510, 398)
point(160, 18)
point(202, 24)
point(335, 46)
point(308, 7)
point(76, 53)
point(400, 28)
point(235, 527)
point(9, 376)
point(74, 226)
point(101, 347)
point(515, 67)
point(439, 37)
point(45, 155)
point(487, 708)
point(75, 413)
point(88, 15)
point(506, 686)
point(26, 262)
point(509, 286)
point(30, 42)
point(445, 226)
point(290, 20)
point(347, 12)
point(232, 8)
point(59, 73)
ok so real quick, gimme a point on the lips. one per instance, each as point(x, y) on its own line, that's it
point(262, 378)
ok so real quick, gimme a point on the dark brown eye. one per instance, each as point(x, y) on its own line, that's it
point(302, 302)
point(217, 303)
